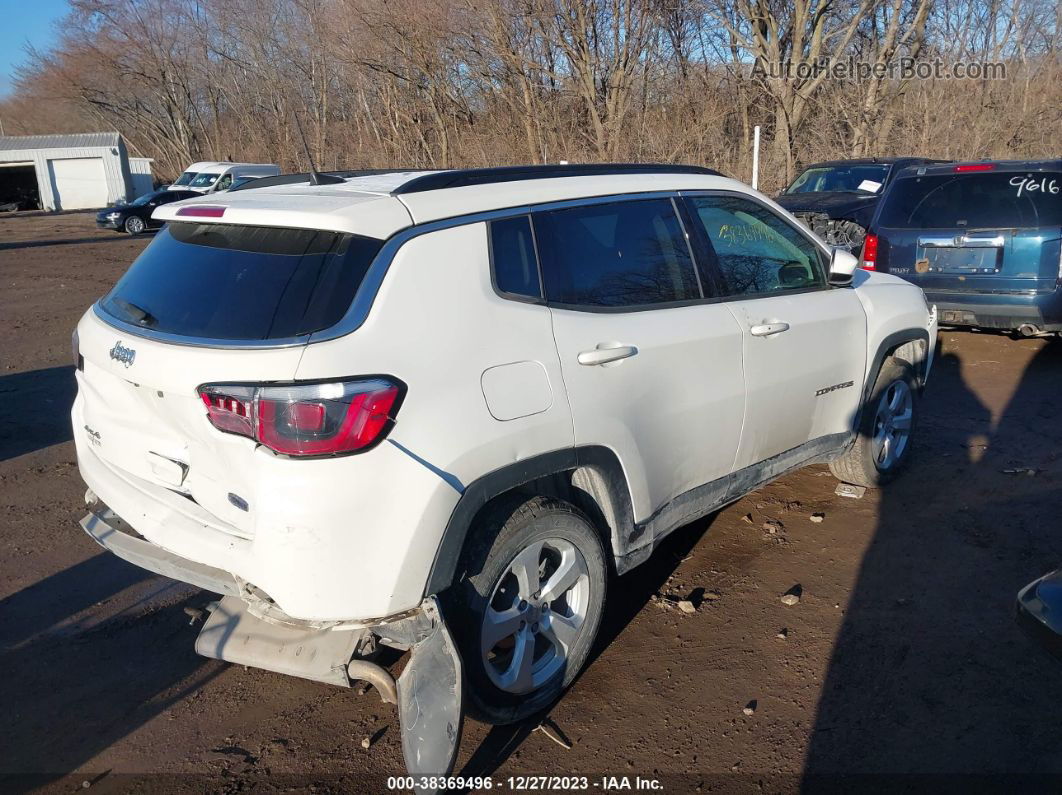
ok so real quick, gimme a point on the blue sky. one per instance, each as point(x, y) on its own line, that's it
point(24, 21)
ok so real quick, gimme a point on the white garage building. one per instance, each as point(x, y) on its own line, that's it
point(65, 172)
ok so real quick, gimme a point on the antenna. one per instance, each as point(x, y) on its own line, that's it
point(316, 178)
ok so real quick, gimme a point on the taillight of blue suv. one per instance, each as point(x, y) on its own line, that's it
point(309, 419)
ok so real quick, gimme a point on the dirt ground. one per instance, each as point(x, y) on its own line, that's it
point(900, 668)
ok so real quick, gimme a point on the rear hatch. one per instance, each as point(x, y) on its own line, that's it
point(205, 303)
point(975, 229)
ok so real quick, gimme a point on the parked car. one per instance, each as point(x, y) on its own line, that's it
point(836, 199)
point(984, 240)
point(209, 177)
point(135, 217)
point(435, 410)
point(1039, 611)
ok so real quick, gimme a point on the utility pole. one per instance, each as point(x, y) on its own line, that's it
point(756, 157)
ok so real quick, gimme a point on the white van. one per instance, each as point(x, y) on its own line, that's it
point(210, 177)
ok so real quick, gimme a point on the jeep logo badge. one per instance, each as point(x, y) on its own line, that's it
point(122, 354)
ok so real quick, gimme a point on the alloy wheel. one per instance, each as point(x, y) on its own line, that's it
point(536, 614)
point(892, 424)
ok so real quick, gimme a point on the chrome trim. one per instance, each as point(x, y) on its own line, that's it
point(961, 241)
point(194, 342)
point(370, 285)
point(586, 201)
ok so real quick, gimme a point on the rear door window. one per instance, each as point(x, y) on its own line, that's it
point(755, 250)
point(615, 255)
point(1000, 200)
point(227, 282)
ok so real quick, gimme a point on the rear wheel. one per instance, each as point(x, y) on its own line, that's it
point(134, 225)
point(882, 448)
point(528, 604)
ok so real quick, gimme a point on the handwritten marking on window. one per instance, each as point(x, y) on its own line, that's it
point(1033, 185)
point(744, 233)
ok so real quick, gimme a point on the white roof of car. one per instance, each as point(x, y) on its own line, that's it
point(366, 205)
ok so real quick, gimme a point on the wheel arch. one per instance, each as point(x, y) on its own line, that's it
point(590, 477)
point(911, 345)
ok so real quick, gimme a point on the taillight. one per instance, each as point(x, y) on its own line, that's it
point(975, 167)
point(333, 418)
point(202, 211)
point(869, 259)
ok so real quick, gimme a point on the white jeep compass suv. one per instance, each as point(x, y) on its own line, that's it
point(440, 411)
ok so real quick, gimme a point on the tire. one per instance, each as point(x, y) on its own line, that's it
point(507, 539)
point(134, 225)
point(882, 449)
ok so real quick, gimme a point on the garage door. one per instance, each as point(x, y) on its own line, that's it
point(78, 183)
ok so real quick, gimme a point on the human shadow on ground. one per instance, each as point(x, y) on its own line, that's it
point(930, 677)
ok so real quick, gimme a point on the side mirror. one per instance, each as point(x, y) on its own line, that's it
point(842, 265)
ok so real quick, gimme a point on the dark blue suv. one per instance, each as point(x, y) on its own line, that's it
point(984, 240)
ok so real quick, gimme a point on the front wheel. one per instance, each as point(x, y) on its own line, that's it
point(527, 606)
point(134, 225)
point(882, 448)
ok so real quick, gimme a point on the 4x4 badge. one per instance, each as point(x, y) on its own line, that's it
point(122, 354)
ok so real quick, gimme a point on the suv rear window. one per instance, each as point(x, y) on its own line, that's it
point(228, 282)
point(1000, 199)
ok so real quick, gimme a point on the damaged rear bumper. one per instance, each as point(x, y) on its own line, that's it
point(106, 529)
point(244, 627)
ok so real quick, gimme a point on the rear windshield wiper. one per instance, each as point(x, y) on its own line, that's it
point(138, 314)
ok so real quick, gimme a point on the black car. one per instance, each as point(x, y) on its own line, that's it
point(836, 199)
point(135, 217)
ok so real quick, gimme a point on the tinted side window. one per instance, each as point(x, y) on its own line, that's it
point(757, 252)
point(974, 200)
point(512, 257)
point(615, 255)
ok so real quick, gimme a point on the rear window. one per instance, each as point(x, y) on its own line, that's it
point(228, 282)
point(974, 201)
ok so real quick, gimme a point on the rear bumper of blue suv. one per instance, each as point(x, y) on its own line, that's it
point(1042, 310)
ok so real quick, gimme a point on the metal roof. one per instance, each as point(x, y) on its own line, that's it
point(74, 140)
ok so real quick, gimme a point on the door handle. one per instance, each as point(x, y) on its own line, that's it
point(606, 352)
point(767, 329)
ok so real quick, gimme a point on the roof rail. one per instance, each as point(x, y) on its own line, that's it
point(459, 178)
point(295, 179)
